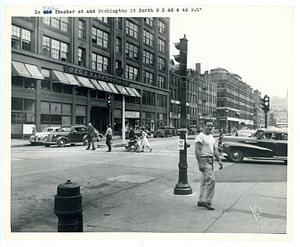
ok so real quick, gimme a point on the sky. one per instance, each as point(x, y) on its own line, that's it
point(254, 42)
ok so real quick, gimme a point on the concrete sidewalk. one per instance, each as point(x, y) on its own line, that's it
point(250, 208)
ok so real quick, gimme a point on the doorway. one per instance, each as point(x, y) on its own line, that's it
point(99, 118)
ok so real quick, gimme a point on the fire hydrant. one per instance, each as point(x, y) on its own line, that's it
point(68, 207)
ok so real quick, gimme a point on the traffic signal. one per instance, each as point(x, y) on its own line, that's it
point(182, 57)
point(109, 101)
point(265, 103)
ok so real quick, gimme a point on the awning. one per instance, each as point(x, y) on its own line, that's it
point(112, 87)
point(105, 87)
point(136, 92)
point(19, 69)
point(85, 82)
point(130, 91)
point(72, 79)
point(96, 84)
point(35, 73)
point(122, 90)
point(58, 76)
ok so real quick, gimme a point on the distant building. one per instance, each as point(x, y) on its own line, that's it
point(234, 100)
point(279, 109)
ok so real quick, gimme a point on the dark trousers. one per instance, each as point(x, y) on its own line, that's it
point(91, 140)
point(108, 142)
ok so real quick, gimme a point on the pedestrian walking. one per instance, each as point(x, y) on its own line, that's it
point(108, 135)
point(205, 150)
point(145, 141)
point(90, 136)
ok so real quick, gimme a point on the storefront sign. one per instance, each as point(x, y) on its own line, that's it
point(132, 114)
point(96, 76)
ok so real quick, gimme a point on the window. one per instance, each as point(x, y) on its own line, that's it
point(132, 51)
point(148, 38)
point(161, 27)
point(148, 98)
point(161, 81)
point(161, 45)
point(45, 84)
point(119, 22)
point(55, 49)
point(161, 63)
point(61, 23)
point(148, 58)
point(161, 101)
point(20, 38)
point(148, 78)
point(99, 62)
point(149, 21)
point(81, 29)
point(118, 45)
point(99, 37)
point(81, 57)
point(81, 91)
point(132, 29)
point(131, 73)
point(103, 19)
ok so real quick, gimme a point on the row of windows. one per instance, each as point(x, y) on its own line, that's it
point(21, 39)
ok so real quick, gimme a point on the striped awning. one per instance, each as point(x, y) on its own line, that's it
point(72, 79)
point(85, 82)
point(105, 87)
point(113, 88)
point(130, 91)
point(19, 69)
point(58, 76)
point(136, 92)
point(122, 90)
point(96, 84)
point(35, 73)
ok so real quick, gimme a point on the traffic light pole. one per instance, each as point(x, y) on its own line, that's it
point(266, 119)
point(183, 187)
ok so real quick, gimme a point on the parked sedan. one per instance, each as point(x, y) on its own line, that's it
point(39, 137)
point(67, 135)
point(162, 132)
point(264, 143)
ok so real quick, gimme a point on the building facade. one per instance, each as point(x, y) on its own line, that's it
point(65, 68)
point(258, 113)
point(234, 100)
point(279, 110)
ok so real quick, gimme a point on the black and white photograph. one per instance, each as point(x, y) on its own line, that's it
point(140, 122)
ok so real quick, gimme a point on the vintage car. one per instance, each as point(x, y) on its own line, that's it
point(264, 143)
point(162, 132)
point(39, 137)
point(67, 135)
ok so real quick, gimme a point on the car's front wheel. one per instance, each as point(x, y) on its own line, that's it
point(61, 143)
point(236, 155)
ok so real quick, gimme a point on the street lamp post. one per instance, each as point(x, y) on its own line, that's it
point(183, 187)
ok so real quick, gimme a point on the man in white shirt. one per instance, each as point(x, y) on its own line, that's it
point(205, 150)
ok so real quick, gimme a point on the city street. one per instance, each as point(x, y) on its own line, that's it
point(133, 192)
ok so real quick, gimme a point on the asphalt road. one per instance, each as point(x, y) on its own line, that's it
point(36, 171)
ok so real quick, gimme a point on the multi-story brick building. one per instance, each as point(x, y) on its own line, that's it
point(234, 99)
point(64, 69)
